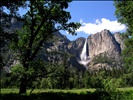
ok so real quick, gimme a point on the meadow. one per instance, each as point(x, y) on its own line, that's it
point(14, 90)
point(78, 91)
point(74, 94)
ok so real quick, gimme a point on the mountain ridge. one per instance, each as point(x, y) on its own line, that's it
point(101, 45)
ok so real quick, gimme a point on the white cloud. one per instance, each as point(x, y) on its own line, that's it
point(101, 24)
point(81, 21)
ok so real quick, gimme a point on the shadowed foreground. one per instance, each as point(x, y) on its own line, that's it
point(119, 95)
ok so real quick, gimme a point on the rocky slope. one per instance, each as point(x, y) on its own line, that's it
point(59, 45)
point(103, 48)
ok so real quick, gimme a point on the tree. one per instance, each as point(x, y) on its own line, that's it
point(86, 79)
point(124, 13)
point(66, 73)
point(39, 23)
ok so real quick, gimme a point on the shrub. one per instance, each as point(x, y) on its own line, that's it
point(97, 95)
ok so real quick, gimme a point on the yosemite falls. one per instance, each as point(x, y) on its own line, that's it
point(84, 57)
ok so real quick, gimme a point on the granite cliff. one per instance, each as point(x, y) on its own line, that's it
point(103, 49)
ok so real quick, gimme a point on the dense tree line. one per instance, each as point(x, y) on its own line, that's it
point(69, 77)
point(124, 13)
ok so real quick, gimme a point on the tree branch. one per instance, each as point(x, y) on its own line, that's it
point(42, 22)
point(42, 75)
point(28, 52)
point(36, 32)
point(36, 50)
point(32, 25)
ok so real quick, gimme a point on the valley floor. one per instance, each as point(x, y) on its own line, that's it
point(14, 90)
point(74, 94)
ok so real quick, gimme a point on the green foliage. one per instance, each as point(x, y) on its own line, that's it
point(102, 80)
point(42, 19)
point(119, 95)
point(109, 85)
point(86, 80)
point(128, 79)
point(5, 82)
point(124, 13)
point(102, 58)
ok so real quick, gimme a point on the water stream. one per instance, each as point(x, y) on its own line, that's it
point(84, 57)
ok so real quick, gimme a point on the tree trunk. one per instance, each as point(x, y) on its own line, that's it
point(23, 85)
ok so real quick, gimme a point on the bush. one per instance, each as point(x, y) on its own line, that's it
point(117, 95)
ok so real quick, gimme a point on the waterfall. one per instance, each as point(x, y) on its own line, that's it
point(84, 57)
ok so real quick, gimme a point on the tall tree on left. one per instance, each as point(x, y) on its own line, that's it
point(42, 19)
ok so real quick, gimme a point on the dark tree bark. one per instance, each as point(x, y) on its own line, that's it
point(23, 85)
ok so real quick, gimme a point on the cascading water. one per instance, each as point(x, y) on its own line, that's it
point(83, 55)
point(84, 58)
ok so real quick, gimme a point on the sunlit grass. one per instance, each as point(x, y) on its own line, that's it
point(11, 90)
point(72, 90)
point(126, 89)
point(14, 90)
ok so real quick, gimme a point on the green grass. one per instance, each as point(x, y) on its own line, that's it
point(72, 90)
point(3, 91)
point(126, 89)
point(9, 90)
point(78, 91)
point(74, 94)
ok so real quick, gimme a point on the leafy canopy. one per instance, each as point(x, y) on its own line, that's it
point(124, 13)
point(42, 19)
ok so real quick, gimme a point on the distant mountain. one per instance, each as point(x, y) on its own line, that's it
point(103, 48)
point(55, 48)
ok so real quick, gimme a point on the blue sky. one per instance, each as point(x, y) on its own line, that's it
point(94, 17)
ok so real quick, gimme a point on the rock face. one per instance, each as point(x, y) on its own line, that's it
point(59, 45)
point(105, 50)
point(102, 42)
point(119, 39)
point(9, 24)
point(75, 47)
